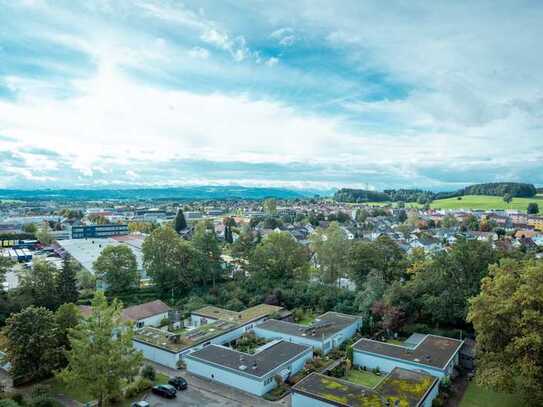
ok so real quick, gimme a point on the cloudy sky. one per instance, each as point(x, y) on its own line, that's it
point(316, 94)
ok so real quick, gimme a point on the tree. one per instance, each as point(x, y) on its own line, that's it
point(508, 197)
point(101, 355)
point(278, 260)
point(44, 234)
point(30, 228)
point(67, 317)
point(66, 282)
point(508, 319)
point(270, 206)
point(38, 285)
point(449, 221)
point(228, 237)
point(180, 222)
point(371, 290)
point(533, 208)
point(439, 290)
point(330, 247)
point(169, 260)
point(205, 242)
point(32, 344)
point(245, 244)
point(118, 268)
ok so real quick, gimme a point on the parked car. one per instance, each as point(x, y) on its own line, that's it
point(164, 390)
point(141, 403)
point(178, 382)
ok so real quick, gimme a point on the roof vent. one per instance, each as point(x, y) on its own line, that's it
point(242, 367)
point(255, 365)
point(416, 360)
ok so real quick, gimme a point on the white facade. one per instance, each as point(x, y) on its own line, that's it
point(386, 364)
point(244, 380)
point(299, 400)
point(153, 320)
point(325, 346)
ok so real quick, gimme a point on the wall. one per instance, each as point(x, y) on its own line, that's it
point(154, 320)
point(386, 364)
point(431, 396)
point(157, 355)
point(226, 377)
point(299, 400)
point(196, 320)
point(256, 386)
point(335, 341)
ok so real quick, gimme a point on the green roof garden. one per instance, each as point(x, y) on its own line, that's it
point(404, 387)
point(180, 340)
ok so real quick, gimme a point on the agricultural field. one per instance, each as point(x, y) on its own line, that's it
point(486, 202)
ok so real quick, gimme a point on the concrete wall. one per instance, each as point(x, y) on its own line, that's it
point(387, 364)
point(157, 355)
point(196, 320)
point(299, 400)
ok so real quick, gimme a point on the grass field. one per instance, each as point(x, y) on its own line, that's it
point(485, 202)
point(476, 396)
point(364, 378)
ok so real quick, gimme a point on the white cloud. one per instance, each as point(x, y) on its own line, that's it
point(199, 53)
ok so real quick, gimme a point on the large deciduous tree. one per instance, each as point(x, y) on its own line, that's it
point(330, 246)
point(205, 242)
point(508, 319)
point(278, 260)
point(169, 260)
point(32, 343)
point(38, 285)
point(101, 355)
point(118, 268)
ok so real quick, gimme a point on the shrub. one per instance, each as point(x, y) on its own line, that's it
point(141, 386)
point(18, 398)
point(376, 370)
point(8, 403)
point(148, 372)
point(164, 322)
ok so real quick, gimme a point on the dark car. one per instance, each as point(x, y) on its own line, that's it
point(178, 382)
point(164, 390)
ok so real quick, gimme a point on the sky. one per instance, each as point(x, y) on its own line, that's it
point(298, 94)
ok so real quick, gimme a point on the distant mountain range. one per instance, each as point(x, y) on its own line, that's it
point(185, 193)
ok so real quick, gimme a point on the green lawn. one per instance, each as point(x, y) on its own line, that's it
point(364, 378)
point(395, 342)
point(476, 396)
point(485, 202)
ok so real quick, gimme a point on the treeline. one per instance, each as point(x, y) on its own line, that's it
point(515, 189)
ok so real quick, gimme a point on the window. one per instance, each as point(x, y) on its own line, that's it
point(140, 324)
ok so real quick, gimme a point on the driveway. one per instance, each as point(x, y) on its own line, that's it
point(204, 392)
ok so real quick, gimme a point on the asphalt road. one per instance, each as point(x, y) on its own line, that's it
point(192, 397)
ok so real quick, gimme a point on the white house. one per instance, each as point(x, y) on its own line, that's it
point(433, 354)
point(253, 373)
point(327, 332)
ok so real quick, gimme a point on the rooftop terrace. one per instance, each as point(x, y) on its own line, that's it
point(181, 340)
point(406, 388)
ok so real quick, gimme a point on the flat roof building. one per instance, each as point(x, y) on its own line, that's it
point(401, 388)
point(436, 355)
point(327, 332)
point(253, 373)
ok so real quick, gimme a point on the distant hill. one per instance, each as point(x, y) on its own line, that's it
point(184, 193)
point(516, 189)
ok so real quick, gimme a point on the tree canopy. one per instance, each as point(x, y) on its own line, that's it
point(118, 268)
point(508, 319)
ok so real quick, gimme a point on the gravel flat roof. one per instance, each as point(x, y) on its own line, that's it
point(434, 351)
point(323, 327)
point(259, 364)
